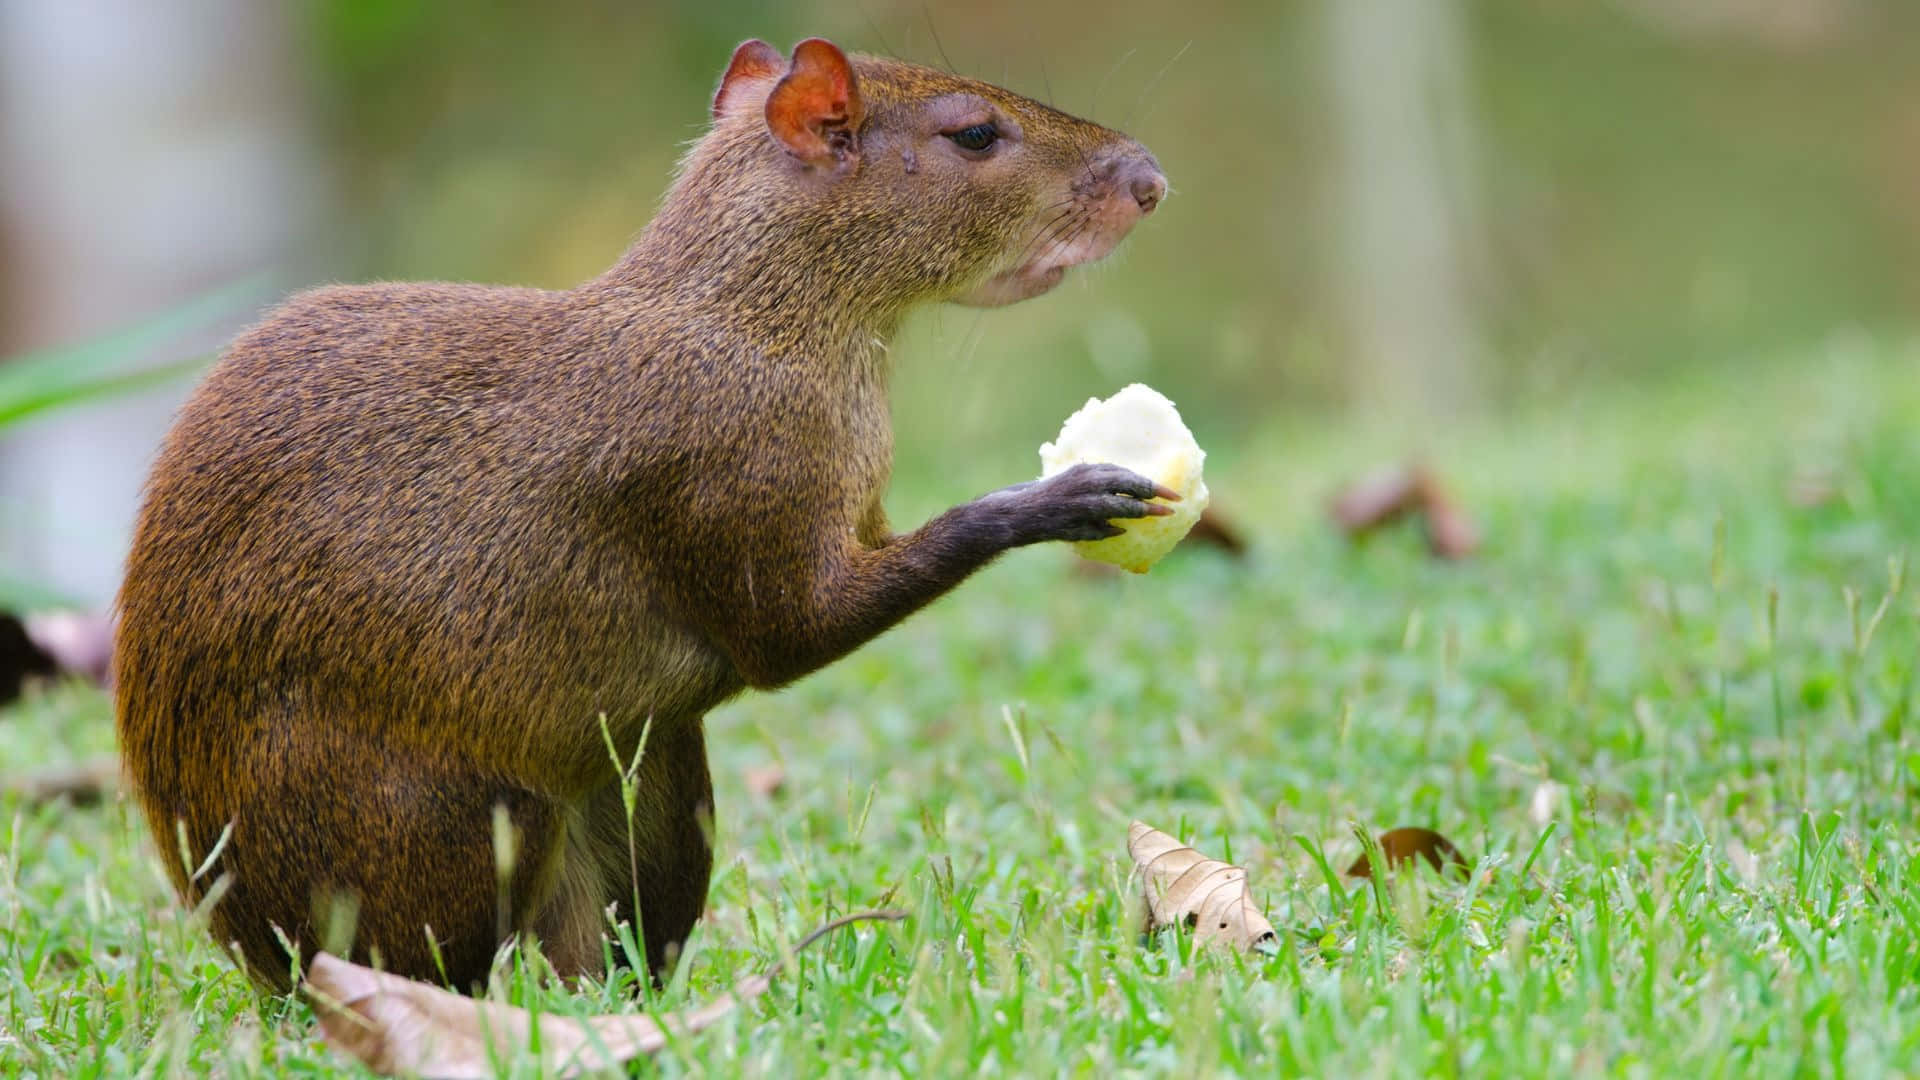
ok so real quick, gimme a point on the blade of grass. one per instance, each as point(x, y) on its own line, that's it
point(105, 367)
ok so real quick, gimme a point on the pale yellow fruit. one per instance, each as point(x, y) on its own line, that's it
point(1138, 429)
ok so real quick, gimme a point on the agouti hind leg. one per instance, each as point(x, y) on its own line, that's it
point(664, 857)
point(411, 841)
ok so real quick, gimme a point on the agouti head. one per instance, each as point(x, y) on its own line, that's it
point(907, 184)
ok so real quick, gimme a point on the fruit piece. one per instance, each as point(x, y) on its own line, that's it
point(1139, 429)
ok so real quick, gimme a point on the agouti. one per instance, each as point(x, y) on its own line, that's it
point(409, 544)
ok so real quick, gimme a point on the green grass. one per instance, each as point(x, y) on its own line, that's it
point(1731, 884)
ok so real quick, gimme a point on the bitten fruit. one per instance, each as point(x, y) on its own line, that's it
point(1137, 428)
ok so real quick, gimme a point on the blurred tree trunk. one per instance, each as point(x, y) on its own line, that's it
point(149, 149)
point(1408, 221)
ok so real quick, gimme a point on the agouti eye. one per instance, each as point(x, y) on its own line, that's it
point(976, 138)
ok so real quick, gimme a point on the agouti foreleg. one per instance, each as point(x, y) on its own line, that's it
point(776, 627)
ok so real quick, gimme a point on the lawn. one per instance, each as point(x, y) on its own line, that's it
point(1665, 712)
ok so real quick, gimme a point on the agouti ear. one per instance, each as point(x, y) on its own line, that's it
point(815, 111)
point(753, 61)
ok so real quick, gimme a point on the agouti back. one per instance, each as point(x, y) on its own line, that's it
point(409, 544)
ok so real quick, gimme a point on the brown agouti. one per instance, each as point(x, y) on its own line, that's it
point(409, 543)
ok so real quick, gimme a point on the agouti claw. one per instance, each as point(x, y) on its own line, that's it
point(1162, 491)
point(1159, 509)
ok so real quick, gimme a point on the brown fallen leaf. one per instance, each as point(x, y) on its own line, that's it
point(1810, 487)
point(1414, 489)
point(1450, 534)
point(21, 658)
point(395, 1025)
point(1214, 529)
point(1376, 501)
point(80, 643)
point(1184, 886)
point(1089, 570)
point(51, 644)
point(1402, 845)
point(83, 785)
point(764, 780)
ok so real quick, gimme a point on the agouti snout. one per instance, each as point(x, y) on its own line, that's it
point(412, 548)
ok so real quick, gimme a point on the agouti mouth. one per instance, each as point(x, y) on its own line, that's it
point(1090, 233)
point(1048, 266)
point(1012, 286)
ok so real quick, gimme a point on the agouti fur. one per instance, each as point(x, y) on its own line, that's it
point(408, 544)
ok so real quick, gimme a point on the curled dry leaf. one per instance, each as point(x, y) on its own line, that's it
point(1812, 486)
point(1402, 845)
point(21, 657)
point(1388, 496)
point(80, 643)
point(1450, 534)
point(1089, 570)
point(1184, 886)
point(398, 1026)
point(50, 644)
point(764, 780)
point(1376, 501)
point(1214, 529)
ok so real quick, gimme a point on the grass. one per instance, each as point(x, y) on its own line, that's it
point(1668, 712)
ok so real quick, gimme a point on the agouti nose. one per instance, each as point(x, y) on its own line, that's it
point(1148, 186)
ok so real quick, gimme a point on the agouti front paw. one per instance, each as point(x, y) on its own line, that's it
point(1081, 503)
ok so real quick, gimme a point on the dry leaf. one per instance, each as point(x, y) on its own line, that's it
point(1388, 496)
point(54, 643)
point(79, 643)
point(1450, 535)
point(764, 780)
point(82, 785)
point(1184, 886)
point(1093, 571)
point(1402, 845)
point(396, 1025)
point(1215, 530)
point(20, 657)
point(1810, 487)
point(1375, 501)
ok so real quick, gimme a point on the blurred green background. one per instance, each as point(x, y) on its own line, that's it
point(1652, 194)
point(1422, 215)
point(1640, 278)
